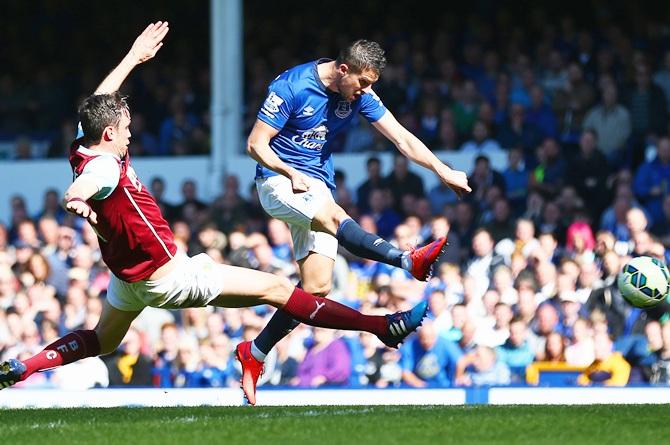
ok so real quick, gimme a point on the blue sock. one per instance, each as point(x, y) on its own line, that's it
point(366, 245)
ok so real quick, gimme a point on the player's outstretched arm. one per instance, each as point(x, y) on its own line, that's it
point(144, 48)
point(415, 150)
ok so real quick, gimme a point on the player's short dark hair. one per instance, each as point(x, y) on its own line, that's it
point(99, 111)
point(362, 55)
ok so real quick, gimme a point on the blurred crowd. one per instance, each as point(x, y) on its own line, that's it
point(522, 289)
point(577, 103)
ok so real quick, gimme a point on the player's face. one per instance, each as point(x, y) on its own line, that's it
point(122, 134)
point(353, 85)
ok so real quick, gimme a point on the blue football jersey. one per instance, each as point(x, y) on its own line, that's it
point(308, 116)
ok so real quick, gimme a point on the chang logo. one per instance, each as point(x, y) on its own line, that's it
point(314, 139)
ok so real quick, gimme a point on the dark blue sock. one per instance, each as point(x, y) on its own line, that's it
point(280, 325)
point(366, 245)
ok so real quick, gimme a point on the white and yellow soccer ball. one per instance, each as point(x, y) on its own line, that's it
point(644, 282)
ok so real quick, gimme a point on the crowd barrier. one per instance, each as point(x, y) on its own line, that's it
point(155, 397)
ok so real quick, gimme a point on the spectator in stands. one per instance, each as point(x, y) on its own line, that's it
point(128, 366)
point(327, 363)
point(165, 363)
point(385, 218)
point(482, 368)
point(374, 181)
point(539, 113)
point(428, 359)
point(483, 178)
point(516, 178)
point(661, 227)
point(609, 368)
point(144, 142)
point(648, 108)
point(660, 370)
point(481, 143)
point(652, 178)
point(662, 76)
point(611, 123)
point(588, 172)
point(440, 227)
point(518, 351)
point(403, 182)
point(554, 349)
point(465, 106)
point(572, 103)
point(516, 132)
point(157, 188)
point(501, 226)
point(549, 174)
point(190, 202)
point(580, 351)
point(61, 260)
point(484, 262)
point(178, 128)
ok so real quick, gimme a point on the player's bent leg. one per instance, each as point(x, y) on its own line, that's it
point(113, 326)
point(329, 217)
point(71, 347)
point(316, 274)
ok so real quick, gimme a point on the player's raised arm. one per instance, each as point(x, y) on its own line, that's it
point(415, 150)
point(258, 147)
point(144, 48)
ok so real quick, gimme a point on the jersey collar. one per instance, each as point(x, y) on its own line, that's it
point(89, 152)
point(315, 71)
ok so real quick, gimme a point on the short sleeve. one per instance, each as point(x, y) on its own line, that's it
point(278, 104)
point(105, 172)
point(372, 107)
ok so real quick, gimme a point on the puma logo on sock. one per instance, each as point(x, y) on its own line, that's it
point(318, 307)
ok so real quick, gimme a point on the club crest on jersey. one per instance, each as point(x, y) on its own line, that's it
point(271, 105)
point(343, 109)
point(314, 138)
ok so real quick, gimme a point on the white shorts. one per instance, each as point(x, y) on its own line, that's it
point(298, 210)
point(194, 282)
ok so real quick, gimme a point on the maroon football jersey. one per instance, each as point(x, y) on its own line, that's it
point(135, 239)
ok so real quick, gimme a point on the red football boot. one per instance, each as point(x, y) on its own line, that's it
point(425, 257)
point(251, 370)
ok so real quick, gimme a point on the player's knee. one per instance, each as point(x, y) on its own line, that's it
point(319, 288)
point(281, 289)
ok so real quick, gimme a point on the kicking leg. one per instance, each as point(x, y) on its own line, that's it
point(331, 218)
point(74, 346)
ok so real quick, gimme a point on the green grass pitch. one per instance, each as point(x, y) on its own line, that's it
point(378, 425)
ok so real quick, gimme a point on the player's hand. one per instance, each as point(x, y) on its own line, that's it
point(149, 42)
point(82, 209)
point(457, 181)
point(299, 182)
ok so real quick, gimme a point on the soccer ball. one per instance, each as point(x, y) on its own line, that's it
point(643, 282)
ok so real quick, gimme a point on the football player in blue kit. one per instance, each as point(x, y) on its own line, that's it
point(306, 107)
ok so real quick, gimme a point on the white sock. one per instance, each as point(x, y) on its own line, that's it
point(257, 353)
point(406, 261)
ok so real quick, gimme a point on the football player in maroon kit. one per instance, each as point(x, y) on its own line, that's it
point(138, 246)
